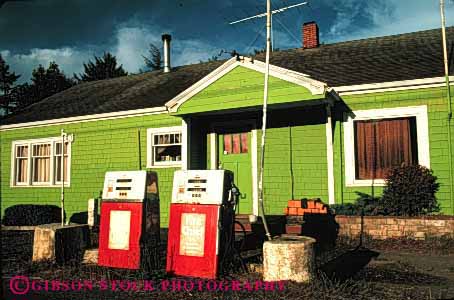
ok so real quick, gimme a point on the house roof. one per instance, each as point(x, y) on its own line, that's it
point(383, 59)
point(146, 90)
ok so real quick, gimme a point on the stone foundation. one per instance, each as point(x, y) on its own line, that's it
point(381, 227)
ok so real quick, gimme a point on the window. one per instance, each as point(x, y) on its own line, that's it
point(58, 162)
point(383, 144)
point(39, 162)
point(377, 140)
point(236, 143)
point(164, 146)
point(21, 164)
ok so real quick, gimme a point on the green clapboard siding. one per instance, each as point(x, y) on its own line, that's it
point(295, 165)
point(243, 87)
point(435, 99)
point(98, 146)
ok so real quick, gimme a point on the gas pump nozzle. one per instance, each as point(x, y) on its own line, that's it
point(234, 194)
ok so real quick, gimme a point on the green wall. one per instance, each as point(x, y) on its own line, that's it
point(98, 146)
point(243, 87)
point(295, 158)
point(435, 99)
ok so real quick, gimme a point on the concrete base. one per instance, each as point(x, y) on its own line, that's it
point(55, 243)
point(289, 258)
point(90, 257)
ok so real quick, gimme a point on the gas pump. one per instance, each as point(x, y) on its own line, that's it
point(201, 222)
point(129, 230)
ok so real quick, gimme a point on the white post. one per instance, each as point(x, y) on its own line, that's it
point(265, 103)
point(186, 144)
point(62, 177)
point(448, 96)
point(329, 154)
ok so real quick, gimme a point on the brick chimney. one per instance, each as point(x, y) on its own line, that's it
point(310, 35)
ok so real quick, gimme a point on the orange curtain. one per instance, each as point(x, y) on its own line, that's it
point(381, 145)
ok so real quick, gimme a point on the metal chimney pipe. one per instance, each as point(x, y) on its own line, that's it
point(166, 38)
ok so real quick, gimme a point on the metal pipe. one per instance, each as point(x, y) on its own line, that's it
point(448, 96)
point(166, 38)
point(265, 103)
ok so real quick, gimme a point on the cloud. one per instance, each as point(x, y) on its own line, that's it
point(69, 59)
point(130, 43)
point(355, 19)
point(133, 42)
point(127, 31)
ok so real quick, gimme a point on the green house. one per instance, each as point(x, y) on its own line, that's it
point(339, 116)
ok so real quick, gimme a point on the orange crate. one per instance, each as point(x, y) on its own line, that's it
point(293, 211)
point(294, 203)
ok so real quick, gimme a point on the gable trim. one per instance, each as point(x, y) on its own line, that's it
point(314, 86)
point(389, 86)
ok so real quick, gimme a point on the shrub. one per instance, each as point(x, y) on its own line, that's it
point(31, 215)
point(372, 206)
point(410, 191)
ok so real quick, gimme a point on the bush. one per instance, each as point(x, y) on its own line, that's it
point(31, 215)
point(372, 206)
point(410, 191)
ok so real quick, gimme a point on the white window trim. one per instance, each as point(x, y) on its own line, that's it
point(161, 130)
point(52, 181)
point(422, 129)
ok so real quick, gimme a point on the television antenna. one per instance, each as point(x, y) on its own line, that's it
point(282, 9)
point(268, 15)
point(276, 11)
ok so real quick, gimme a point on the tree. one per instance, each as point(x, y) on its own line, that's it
point(7, 80)
point(44, 83)
point(48, 82)
point(154, 61)
point(21, 95)
point(102, 68)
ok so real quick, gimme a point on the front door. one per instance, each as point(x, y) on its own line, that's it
point(235, 155)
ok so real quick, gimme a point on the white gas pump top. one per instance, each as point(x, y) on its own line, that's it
point(199, 186)
point(124, 185)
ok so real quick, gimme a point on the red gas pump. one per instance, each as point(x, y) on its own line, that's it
point(201, 222)
point(129, 229)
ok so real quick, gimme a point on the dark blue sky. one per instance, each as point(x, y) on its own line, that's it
point(71, 31)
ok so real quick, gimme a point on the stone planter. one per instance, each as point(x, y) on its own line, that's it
point(289, 258)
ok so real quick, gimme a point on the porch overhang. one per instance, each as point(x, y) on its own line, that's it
point(329, 101)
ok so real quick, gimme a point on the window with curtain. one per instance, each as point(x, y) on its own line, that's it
point(39, 162)
point(21, 164)
point(383, 144)
point(164, 146)
point(236, 143)
point(58, 162)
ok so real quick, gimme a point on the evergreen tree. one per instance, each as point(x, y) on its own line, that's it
point(44, 83)
point(154, 61)
point(102, 68)
point(7, 80)
point(48, 82)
